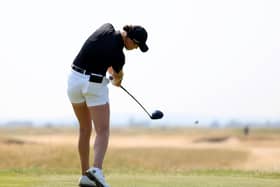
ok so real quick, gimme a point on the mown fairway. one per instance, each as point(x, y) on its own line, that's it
point(215, 178)
point(47, 157)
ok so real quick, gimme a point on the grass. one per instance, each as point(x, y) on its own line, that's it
point(121, 159)
point(199, 178)
point(27, 162)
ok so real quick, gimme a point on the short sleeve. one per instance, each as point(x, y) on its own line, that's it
point(118, 62)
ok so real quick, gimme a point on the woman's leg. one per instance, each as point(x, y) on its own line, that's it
point(101, 119)
point(83, 116)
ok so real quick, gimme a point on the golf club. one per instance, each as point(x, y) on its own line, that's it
point(155, 115)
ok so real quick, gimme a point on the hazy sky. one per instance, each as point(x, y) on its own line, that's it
point(207, 58)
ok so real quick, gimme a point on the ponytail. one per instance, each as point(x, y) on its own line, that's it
point(128, 29)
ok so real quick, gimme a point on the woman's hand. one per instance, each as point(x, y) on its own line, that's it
point(116, 77)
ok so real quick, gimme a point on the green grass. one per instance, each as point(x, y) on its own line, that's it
point(198, 178)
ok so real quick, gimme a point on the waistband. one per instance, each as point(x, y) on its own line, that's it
point(84, 71)
point(93, 77)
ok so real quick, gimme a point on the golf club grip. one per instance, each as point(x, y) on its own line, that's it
point(135, 100)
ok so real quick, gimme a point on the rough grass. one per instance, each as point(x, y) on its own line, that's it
point(172, 160)
point(120, 159)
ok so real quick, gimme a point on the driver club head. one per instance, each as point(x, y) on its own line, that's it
point(156, 115)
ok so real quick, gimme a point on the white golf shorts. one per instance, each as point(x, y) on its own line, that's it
point(80, 90)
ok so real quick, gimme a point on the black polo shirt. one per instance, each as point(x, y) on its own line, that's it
point(104, 48)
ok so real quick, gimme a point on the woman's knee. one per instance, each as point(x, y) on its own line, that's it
point(85, 131)
point(102, 130)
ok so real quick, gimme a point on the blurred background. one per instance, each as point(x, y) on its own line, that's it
point(216, 62)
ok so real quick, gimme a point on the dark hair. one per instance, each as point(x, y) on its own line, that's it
point(128, 29)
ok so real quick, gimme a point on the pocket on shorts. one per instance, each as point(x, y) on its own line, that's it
point(73, 82)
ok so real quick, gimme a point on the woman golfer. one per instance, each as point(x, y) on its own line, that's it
point(88, 92)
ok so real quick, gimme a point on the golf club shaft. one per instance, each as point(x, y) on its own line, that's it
point(135, 100)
